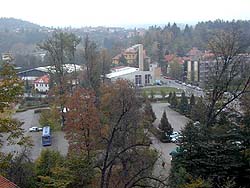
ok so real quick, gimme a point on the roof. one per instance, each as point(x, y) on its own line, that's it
point(5, 183)
point(122, 71)
point(69, 68)
point(43, 79)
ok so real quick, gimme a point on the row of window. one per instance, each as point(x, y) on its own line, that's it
point(138, 79)
point(42, 85)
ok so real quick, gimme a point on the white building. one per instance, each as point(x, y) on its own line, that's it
point(41, 84)
point(135, 75)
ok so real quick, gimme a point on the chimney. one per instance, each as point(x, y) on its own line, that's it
point(140, 49)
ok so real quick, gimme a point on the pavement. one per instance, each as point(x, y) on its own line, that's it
point(31, 119)
point(178, 122)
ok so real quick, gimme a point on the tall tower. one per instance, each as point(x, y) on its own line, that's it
point(140, 49)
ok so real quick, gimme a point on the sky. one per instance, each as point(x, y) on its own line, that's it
point(79, 13)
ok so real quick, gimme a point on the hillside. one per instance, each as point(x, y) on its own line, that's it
point(13, 24)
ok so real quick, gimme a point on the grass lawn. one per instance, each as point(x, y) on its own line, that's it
point(157, 90)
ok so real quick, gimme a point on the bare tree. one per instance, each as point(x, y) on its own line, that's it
point(228, 72)
point(126, 160)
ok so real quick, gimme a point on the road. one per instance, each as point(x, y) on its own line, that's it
point(30, 119)
point(177, 121)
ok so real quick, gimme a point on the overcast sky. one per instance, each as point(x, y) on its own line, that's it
point(79, 13)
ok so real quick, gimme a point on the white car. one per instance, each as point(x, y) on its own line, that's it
point(35, 129)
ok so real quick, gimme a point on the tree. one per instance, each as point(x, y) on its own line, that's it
point(11, 87)
point(175, 70)
point(164, 125)
point(126, 160)
point(169, 97)
point(93, 65)
point(213, 149)
point(163, 93)
point(61, 49)
point(229, 72)
point(51, 171)
point(174, 101)
point(149, 113)
point(191, 102)
point(183, 104)
point(105, 62)
point(82, 122)
point(199, 111)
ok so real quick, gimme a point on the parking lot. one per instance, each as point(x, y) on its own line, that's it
point(30, 119)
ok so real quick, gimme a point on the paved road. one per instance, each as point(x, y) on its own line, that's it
point(177, 121)
point(30, 119)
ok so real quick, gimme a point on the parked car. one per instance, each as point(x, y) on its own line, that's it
point(35, 129)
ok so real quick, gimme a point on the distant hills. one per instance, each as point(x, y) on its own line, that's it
point(14, 24)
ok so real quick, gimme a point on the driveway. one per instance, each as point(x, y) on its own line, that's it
point(178, 122)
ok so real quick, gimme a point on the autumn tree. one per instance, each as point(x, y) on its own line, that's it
point(126, 159)
point(82, 121)
point(11, 87)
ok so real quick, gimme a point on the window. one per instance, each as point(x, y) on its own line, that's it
point(147, 78)
point(138, 80)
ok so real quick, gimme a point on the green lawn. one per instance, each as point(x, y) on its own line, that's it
point(157, 90)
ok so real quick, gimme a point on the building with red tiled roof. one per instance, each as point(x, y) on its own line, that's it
point(5, 183)
point(41, 84)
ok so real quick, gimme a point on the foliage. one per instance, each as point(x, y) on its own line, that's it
point(164, 125)
point(21, 170)
point(81, 169)
point(163, 93)
point(183, 104)
point(192, 102)
point(51, 117)
point(149, 115)
point(51, 171)
point(174, 100)
point(125, 158)
point(199, 111)
point(82, 121)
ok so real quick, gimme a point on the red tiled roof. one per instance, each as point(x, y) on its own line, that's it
point(43, 79)
point(5, 183)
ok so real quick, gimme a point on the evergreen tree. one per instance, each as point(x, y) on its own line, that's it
point(191, 102)
point(174, 101)
point(169, 97)
point(198, 112)
point(165, 126)
point(149, 113)
point(183, 105)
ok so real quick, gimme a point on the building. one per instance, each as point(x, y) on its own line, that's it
point(41, 84)
point(133, 55)
point(31, 75)
point(192, 66)
point(135, 75)
point(7, 57)
point(5, 183)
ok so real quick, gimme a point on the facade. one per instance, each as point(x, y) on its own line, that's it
point(133, 55)
point(41, 84)
point(135, 75)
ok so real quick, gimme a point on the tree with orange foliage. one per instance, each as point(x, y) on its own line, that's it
point(82, 121)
